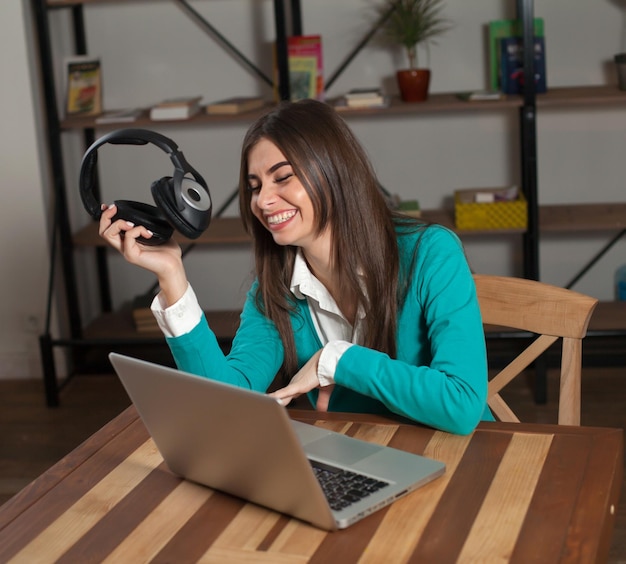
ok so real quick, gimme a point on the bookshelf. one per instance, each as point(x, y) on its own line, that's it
point(606, 217)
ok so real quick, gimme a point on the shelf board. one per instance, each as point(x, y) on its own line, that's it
point(567, 218)
point(221, 231)
point(201, 118)
point(70, 3)
point(561, 218)
point(589, 96)
point(119, 325)
point(608, 317)
point(581, 96)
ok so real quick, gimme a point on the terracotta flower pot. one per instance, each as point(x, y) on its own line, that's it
point(413, 84)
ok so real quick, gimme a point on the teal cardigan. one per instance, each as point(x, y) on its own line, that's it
point(439, 377)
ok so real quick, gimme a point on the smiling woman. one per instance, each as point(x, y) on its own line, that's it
point(358, 307)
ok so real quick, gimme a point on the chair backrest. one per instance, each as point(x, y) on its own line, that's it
point(549, 312)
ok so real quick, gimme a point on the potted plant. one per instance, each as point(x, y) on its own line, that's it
point(411, 24)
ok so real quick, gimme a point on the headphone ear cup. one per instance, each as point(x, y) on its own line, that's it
point(148, 216)
point(163, 194)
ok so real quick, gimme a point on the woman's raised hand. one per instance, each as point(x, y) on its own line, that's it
point(165, 261)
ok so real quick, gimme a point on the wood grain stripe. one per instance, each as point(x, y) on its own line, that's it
point(113, 527)
point(586, 537)
point(377, 434)
point(89, 509)
point(246, 531)
point(275, 531)
point(196, 536)
point(33, 521)
point(160, 526)
point(337, 426)
point(55, 475)
point(247, 556)
point(462, 499)
point(404, 439)
point(347, 545)
point(402, 527)
point(298, 539)
point(546, 527)
point(498, 523)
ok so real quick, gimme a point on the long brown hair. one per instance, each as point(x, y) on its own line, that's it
point(336, 173)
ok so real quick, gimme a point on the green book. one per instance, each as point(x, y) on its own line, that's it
point(497, 30)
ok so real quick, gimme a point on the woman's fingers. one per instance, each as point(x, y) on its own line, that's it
point(121, 234)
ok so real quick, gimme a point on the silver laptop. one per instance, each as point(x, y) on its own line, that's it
point(244, 443)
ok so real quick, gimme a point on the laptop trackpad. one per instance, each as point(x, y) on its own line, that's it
point(341, 449)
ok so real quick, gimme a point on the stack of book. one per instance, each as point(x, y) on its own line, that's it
point(120, 116)
point(235, 105)
point(176, 108)
point(363, 98)
point(143, 318)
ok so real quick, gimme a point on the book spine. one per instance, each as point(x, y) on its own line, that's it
point(512, 65)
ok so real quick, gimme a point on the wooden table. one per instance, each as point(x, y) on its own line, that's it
point(512, 492)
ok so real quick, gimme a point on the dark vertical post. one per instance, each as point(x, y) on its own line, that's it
point(528, 140)
point(282, 62)
point(53, 142)
point(296, 18)
point(102, 267)
point(60, 221)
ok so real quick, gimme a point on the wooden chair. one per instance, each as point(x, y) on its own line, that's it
point(551, 313)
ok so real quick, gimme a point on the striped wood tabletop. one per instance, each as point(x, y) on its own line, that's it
point(511, 492)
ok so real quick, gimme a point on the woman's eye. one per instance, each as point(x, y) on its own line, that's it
point(253, 187)
point(285, 177)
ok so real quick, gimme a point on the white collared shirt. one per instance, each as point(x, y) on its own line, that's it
point(334, 330)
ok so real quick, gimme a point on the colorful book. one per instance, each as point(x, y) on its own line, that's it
point(505, 28)
point(83, 86)
point(235, 105)
point(306, 68)
point(512, 65)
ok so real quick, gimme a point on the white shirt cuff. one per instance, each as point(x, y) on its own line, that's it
point(327, 363)
point(179, 318)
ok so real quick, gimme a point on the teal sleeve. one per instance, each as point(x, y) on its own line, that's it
point(440, 375)
point(254, 359)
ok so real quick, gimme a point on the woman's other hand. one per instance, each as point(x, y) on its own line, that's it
point(304, 381)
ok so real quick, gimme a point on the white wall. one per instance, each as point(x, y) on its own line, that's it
point(23, 230)
point(152, 50)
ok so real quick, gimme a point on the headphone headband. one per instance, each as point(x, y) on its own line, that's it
point(187, 202)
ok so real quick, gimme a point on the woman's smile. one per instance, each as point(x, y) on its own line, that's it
point(279, 219)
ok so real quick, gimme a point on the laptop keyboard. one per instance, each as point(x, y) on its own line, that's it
point(342, 487)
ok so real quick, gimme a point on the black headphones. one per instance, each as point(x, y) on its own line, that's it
point(182, 201)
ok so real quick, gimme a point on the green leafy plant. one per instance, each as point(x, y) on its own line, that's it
point(410, 23)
